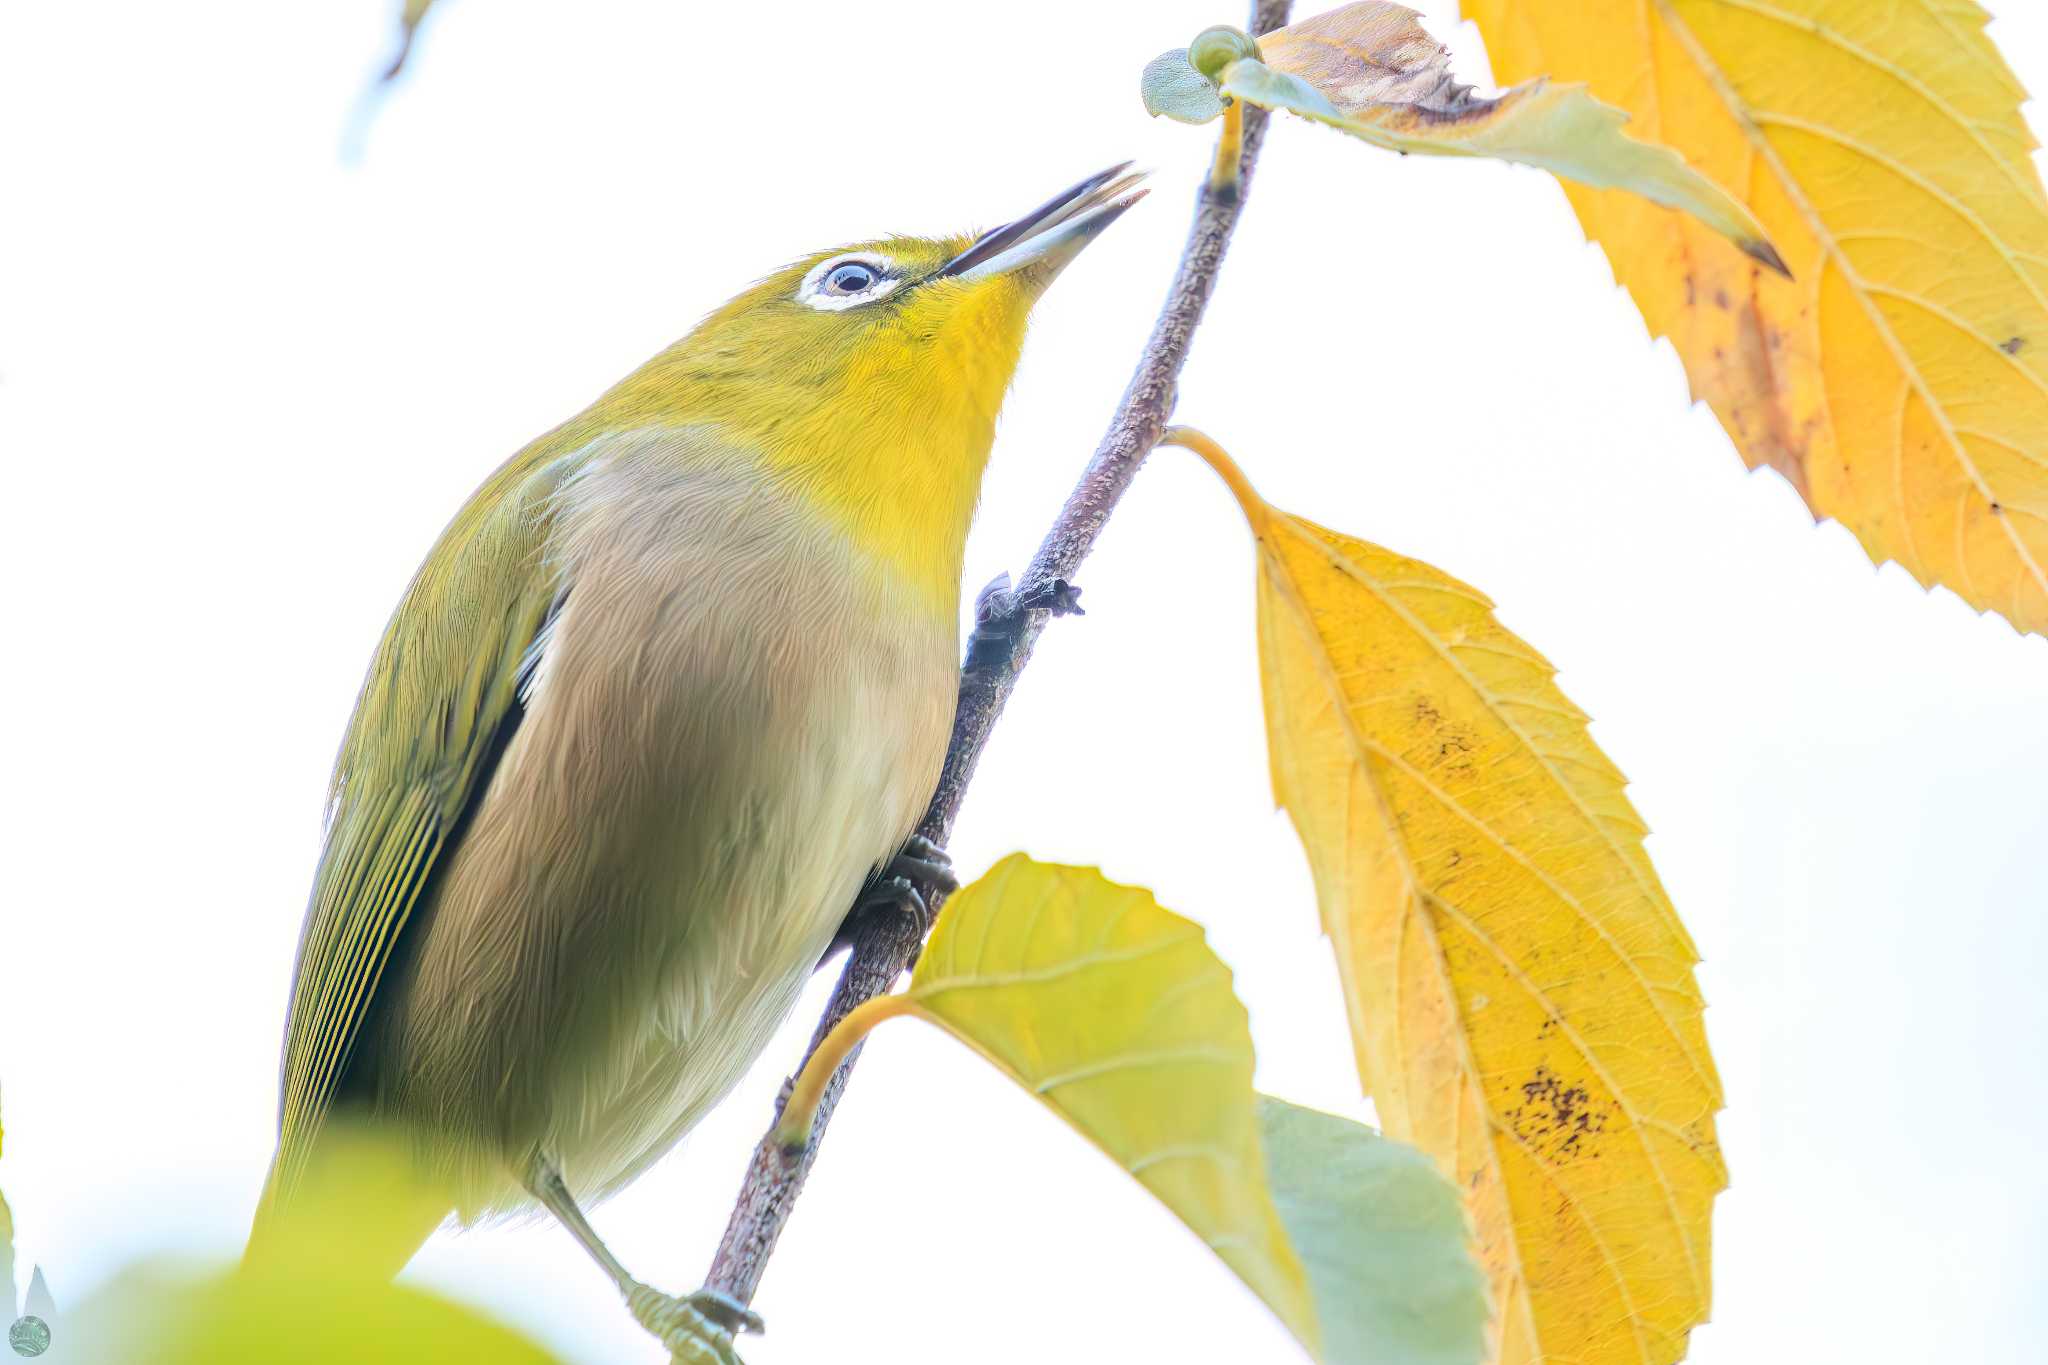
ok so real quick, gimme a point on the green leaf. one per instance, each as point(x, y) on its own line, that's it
point(1176, 90)
point(1114, 1013)
point(1254, 82)
point(1383, 1236)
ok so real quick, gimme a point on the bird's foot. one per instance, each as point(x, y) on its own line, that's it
point(900, 894)
point(1000, 614)
point(1055, 595)
point(895, 891)
point(920, 863)
point(921, 860)
point(696, 1329)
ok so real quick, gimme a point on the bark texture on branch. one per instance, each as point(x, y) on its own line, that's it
point(884, 945)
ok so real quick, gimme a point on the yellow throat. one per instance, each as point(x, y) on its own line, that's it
point(868, 379)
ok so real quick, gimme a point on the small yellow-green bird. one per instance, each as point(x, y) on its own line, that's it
point(672, 689)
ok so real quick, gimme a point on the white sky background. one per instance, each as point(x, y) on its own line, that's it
point(244, 381)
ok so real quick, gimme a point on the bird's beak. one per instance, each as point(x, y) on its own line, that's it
point(1049, 236)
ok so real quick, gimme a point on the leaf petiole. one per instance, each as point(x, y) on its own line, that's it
point(1256, 511)
point(800, 1110)
point(1223, 176)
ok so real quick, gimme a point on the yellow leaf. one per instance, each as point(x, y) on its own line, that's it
point(1901, 384)
point(1372, 70)
point(1114, 1013)
point(1521, 992)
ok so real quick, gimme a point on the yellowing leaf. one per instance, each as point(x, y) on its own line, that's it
point(1521, 991)
point(1114, 1013)
point(1901, 383)
point(1373, 71)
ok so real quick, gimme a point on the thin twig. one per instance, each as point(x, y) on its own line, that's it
point(884, 945)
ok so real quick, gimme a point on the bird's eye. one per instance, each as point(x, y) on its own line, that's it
point(850, 281)
point(850, 278)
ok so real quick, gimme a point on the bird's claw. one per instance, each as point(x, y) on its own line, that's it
point(897, 892)
point(921, 860)
point(895, 889)
point(1055, 595)
point(696, 1329)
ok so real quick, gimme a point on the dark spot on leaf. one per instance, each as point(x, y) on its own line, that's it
point(1720, 298)
point(2013, 345)
point(1560, 1122)
point(1452, 743)
point(1776, 438)
point(1997, 510)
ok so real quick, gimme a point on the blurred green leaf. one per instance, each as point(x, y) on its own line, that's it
point(158, 1315)
point(314, 1289)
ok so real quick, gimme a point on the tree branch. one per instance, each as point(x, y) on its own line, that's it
point(1007, 627)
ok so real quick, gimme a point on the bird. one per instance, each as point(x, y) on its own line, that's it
point(666, 698)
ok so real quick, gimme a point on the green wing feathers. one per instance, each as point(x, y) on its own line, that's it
point(439, 703)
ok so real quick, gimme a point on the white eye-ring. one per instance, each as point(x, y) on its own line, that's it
point(849, 281)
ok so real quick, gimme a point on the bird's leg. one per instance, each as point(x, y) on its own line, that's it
point(696, 1329)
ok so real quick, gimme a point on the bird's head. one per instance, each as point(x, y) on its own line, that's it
point(868, 377)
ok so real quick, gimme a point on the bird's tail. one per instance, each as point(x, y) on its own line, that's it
point(357, 1206)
